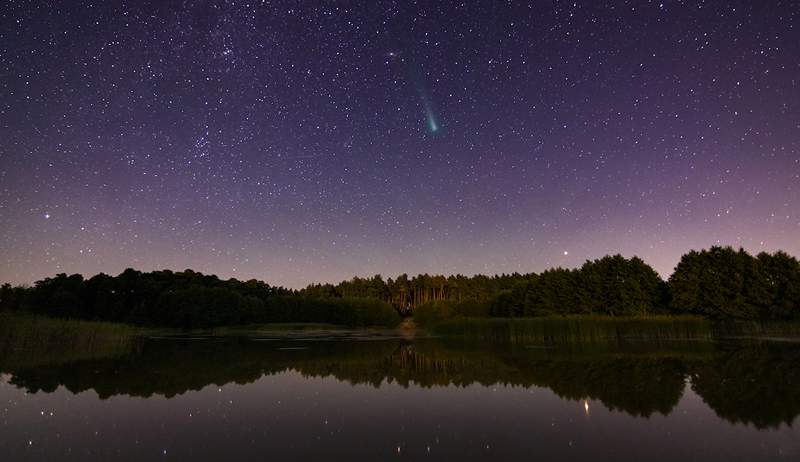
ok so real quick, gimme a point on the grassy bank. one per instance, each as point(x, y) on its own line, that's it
point(595, 328)
point(755, 329)
point(572, 329)
point(26, 340)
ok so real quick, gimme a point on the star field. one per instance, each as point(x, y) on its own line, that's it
point(296, 142)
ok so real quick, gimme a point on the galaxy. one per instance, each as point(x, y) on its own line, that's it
point(299, 142)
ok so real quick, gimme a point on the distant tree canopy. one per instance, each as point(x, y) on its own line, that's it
point(185, 299)
point(723, 283)
point(611, 285)
point(405, 292)
point(719, 283)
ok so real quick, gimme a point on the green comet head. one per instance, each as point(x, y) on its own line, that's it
point(433, 126)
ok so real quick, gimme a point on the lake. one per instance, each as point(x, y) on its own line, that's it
point(323, 397)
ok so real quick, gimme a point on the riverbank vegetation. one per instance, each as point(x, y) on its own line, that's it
point(29, 339)
point(577, 329)
point(719, 284)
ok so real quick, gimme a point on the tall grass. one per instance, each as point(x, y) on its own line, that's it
point(27, 340)
point(571, 329)
point(757, 329)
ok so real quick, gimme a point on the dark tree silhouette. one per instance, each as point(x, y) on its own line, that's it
point(719, 283)
point(723, 283)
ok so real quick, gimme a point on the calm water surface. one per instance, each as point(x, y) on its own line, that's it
point(396, 399)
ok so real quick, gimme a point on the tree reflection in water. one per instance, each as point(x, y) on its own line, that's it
point(751, 383)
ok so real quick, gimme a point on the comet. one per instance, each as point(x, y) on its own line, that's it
point(433, 126)
point(431, 122)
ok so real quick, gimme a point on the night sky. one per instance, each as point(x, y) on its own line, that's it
point(296, 142)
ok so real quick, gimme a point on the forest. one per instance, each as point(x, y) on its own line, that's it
point(719, 283)
point(186, 299)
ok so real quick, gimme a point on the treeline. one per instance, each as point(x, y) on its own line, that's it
point(185, 299)
point(722, 283)
point(612, 285)
point(719, 283)
point(406, 293)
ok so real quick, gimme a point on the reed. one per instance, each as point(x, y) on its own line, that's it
point(27, 340)
point(574, 329)
point(757, 329)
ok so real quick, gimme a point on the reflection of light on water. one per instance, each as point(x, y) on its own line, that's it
point(586, 406)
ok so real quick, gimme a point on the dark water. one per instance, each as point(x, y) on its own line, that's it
point(318, 399)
